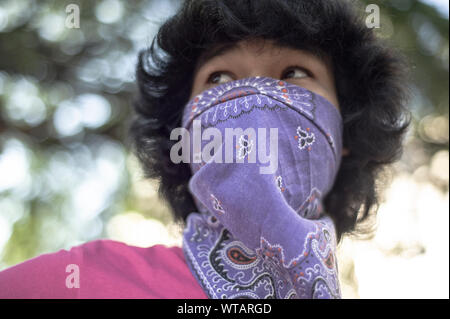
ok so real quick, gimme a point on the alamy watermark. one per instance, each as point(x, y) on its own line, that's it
point(373, 17)
point(251, 144)
point(73, 279)
point(73, 16)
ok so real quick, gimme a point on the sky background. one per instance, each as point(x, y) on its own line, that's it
point(441, 5)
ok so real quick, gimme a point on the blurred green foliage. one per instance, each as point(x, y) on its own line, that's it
point(65, 107)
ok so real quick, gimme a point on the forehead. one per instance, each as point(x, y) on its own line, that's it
point(257, 46)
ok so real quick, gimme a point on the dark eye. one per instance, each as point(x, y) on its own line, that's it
point(219, 77)
point(295, 72)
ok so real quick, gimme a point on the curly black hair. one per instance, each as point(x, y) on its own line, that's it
point(370, 81)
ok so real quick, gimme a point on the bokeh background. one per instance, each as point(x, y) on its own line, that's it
point(67, 175)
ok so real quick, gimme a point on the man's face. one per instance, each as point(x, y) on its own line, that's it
point(250, 58)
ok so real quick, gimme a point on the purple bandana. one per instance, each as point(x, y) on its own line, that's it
point(261, 231)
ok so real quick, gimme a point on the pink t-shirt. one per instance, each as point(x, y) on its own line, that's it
point(103, 269)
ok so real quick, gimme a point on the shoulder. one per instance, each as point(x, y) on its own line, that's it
point(102, 269)
point(42, 276)
point(125, 271)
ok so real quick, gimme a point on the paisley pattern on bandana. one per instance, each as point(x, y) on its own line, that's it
point(279, 181)
point(305, 138)
point(216, 204)
point(245, 147)
point(226, 268)
point(265, 236)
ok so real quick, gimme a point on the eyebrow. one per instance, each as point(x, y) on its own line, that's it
point(214, 52)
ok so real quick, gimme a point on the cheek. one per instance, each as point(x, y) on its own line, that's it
point(196, 89)
point(317, 88)
point(197, 83)
point(193, 93)
point(330, 96)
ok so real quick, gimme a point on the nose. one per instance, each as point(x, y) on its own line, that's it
point(258, 70)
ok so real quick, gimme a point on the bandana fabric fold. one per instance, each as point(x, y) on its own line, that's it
point(261, 232)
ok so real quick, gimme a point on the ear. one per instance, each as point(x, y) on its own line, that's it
point(345, 152)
